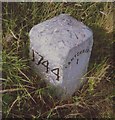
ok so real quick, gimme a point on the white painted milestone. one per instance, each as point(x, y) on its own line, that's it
point(60, 49)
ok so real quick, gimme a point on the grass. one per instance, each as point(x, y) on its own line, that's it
point(25, 94)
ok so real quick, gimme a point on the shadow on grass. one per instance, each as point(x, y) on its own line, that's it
point(102, 46)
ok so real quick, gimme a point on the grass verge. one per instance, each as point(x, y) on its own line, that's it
point(25, 94)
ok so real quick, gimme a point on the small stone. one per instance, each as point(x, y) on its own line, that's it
point(60, 49)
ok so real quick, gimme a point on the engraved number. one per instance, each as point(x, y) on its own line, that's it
point(41, 58)
point(46, 64)
point(77, 61)
point(33, 55)
point(56, 72)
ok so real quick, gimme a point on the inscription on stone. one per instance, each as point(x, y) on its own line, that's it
point(45, 63)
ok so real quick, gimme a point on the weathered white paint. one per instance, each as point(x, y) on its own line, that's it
point(60, 49)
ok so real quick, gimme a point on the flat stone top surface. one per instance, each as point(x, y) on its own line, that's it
point(54, 38)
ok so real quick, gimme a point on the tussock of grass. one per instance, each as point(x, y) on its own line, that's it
point(25, 94)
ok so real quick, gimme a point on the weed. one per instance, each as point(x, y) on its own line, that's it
point(25, 94)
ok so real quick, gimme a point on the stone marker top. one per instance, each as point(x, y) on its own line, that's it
point(57, 36)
